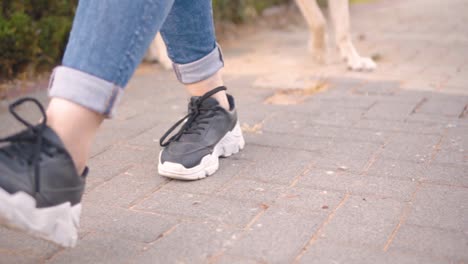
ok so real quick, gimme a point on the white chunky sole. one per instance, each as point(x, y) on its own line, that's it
point(230, 144)
point(58, 224)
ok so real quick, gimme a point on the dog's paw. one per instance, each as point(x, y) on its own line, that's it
point(362, 64)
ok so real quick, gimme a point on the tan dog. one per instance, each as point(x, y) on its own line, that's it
point(339, 10)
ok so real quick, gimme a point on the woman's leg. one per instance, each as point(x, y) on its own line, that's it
point(211, 129)
point(189, 34)
point(43, 167)
point(107, 42)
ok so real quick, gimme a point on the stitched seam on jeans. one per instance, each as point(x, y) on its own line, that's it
point(136, 39)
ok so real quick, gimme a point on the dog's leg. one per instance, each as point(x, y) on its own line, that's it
point(339, 10)
point(157, 51)
point(317, 25)
point(161, 49)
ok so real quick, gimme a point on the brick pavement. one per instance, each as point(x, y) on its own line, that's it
point(367, 171)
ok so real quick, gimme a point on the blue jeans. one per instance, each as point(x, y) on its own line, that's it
point(109, 39)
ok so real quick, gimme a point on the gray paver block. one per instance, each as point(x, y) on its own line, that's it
point(309, 200)
point(398, 169)
point(150, 138)
point(338, 117)
point(116, 160)
point(231, 259)
point(126, 188)
point(348, 101)
point(358, 184)
point(434, 241)
point(21, 243)
point(295, 125)
point(250, 190)
point(126, 224)
point(197, 206)
point(342, 153)
point(440, 207)
point(286, 141)
point(411, 147)
point(189, 243)
point(99, 248)
point(278, 236)
point(228, 169)
point(454, 146)
point(364, 220)
point(378, 88)
point(446, 174)
point(434, 106)
point(275, 165)
point(330, 252)
point(18, 258)
point(390, 110)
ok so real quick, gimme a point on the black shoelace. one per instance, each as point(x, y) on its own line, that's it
point(197, 116)
point(18, 148)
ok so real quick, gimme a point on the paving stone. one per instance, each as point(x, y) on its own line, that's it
point(250, 190)
point(381, 186)
point(434, 241)
point(381, 125)
point(326, 251)
point(446, 173)
point(440, 207)
point(454, 147)
point(115, 161)
point(169, 201)
point(451, 107)
point(364, 220)
point(127, 224)
point(99, 248)
point(230, 259)
point(390, 111)
point(309, 200)
point(398, 169)
point(20, 243)
point(301, 127)
point(338, 117)
point(18, 258)
point(189, 243)
point(266, 242)
point(201, 207)
point(228, 169)
point(378, 88)
point(418, 148)
point(150, 138)
point(128, 187)
point(342, 153)
point(348, 101)
point(296, 142)
point(270, 164)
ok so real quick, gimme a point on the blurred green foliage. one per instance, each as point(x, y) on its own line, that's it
point(33, 33)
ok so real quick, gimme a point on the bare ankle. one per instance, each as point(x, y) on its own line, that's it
point(202, 87)
point(76, 126)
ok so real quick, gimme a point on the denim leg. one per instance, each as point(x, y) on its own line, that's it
point(107, 42)
point(189, 35)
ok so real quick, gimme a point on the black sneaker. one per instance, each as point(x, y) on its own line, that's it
point(209, 132)
point(40, 191)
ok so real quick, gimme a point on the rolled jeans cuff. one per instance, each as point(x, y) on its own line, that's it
point(201, 69)
point(85, 89)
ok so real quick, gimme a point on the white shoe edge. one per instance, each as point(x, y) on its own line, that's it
point(58, 224)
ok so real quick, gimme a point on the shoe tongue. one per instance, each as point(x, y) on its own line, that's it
point(51, 136)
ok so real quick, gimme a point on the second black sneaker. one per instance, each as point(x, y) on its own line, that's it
point(208, 132)
point(40, 190)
